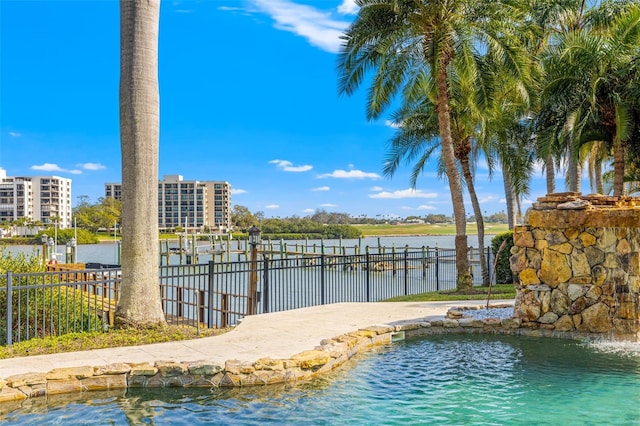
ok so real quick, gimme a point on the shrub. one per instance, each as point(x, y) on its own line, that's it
point(503, 267)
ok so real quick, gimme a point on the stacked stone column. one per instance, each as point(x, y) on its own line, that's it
point(577, 262)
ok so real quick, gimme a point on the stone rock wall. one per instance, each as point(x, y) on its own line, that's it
point(577, 260)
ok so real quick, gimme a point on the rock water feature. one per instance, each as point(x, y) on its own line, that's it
point(577, 261)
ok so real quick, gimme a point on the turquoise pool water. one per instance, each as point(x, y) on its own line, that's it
point(456, 379)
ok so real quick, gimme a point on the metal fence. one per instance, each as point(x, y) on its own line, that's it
point(216, 294)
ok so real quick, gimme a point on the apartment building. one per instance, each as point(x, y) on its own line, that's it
point(45, 199)
point(191, 204)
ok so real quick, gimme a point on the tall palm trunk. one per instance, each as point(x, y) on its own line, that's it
point(551, 174)
point(139, 303)
point(618, 167)
point(477, 211)
point(463, 280)
point(597, 175)
point(512, 212)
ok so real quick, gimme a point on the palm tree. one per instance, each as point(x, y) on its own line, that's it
point(412, 43)
point(417, 138)
point(591, 72)
point(139, 303)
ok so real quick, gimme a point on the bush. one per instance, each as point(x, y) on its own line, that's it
point(503, 267)
point(65, 235)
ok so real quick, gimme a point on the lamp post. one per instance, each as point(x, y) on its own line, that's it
point(252, 300)
point(45, 254)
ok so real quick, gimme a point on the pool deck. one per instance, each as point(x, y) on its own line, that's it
point(275, 335)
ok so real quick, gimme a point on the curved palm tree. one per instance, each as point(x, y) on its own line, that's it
point(139, 303)
point(417, 137)
point(408, 44)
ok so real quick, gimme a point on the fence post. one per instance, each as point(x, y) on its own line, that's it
point(437, 270)
point(489, 263)
point(406, 270)
point(210, 296)
point(368, 266)
point(9, 308)
point(322, 284)
point(265, 284)
point(424, 262)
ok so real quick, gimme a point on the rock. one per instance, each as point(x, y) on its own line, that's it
point(564, 323)
point(106, 382)
point(68, 373)
point(528, 309)
point(623, 247)
point(580, 264)
point(170, 369)
point(578, 305)
point(574, 205)
point(554, 268)
point(587, 239)
point(311, 359)
point(596, 318)
point(548, 318)
point(203, 368)
point(575, 291)
point(523, 239)
point(528, 277)
point(560, 302)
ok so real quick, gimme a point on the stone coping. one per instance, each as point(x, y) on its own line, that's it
point(328, 355)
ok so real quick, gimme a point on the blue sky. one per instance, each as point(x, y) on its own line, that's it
point(248, 94)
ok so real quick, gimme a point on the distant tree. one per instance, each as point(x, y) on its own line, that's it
point(500, 217)
point(242, 218)
point(322, 216)
point(437, 218)
point(103, 214)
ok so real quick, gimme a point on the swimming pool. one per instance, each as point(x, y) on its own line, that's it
point(451, 379)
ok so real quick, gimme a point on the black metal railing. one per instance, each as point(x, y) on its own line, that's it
point(216, 294)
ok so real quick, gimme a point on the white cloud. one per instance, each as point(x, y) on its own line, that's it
point(308, 211)
point(488, 199)
point(348, 7)
point(75, 171)
point(287, 166)
point(392, 124)
point(404, 193)
point(91, 166)
point(351, 174)
point(321, 188)
point(376, 188)
point(15, 134)
point(425, 207)
point(420, 207)
point(318, 27)
point(48, 167)
point(328, 205)
point(238, 191)
point(272, 206)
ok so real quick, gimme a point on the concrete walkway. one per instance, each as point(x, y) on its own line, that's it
point(277, 335)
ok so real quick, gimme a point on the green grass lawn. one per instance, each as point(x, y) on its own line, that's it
point(499, 291)
point(426, 229)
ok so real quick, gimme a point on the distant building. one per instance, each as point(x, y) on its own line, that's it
point(191, 204)
point(45, 199)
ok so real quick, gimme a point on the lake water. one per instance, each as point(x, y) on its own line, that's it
point(450, 379)
point(107, 252)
